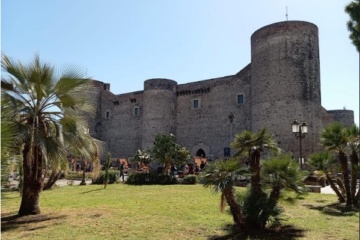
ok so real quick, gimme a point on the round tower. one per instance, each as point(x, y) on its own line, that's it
point(345, 117)
point(285, 82)
point(159, 109)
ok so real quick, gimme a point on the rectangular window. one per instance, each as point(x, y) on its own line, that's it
point(107, 114)
point(240, 99)
point(227, 152)
point(137, 111)
point(196, 103)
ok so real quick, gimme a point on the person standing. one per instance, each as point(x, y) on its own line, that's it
point(202, 165)
point(121, 168)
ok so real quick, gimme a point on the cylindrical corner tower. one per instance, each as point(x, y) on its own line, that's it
point(345, 117)
point(285, 82)
point(158, 109)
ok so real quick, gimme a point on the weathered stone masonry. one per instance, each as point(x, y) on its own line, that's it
point(282, 83)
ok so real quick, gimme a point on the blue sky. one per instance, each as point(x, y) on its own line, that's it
point(125, 42)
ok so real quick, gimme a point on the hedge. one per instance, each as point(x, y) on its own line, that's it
point(150, 179)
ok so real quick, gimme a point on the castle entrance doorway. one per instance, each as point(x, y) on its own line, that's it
point(200, 153)
point(200, 160)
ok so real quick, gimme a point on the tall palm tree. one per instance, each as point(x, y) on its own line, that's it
point(222, 176)
point(49, 110)
point(253, 144)
point(335, 139)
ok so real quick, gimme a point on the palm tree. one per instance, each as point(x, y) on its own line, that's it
point(48, 110)
point(8, 138)
point(277, 173)
point(222, 176)
point(335, 139)
point(322, 162)
point(282, 173)
point(253, 144)
point(354, 148)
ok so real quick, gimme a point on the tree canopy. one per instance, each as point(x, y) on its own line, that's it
point(353, 9)
point(48, 109)
point(168, 152)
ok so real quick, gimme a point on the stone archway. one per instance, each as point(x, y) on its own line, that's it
point(200, 148)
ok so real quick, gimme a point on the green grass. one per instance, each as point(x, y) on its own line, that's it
point(163, 212)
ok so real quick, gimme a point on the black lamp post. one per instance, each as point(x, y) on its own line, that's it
point(300, 130)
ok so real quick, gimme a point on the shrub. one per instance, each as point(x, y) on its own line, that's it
point(74, 175)
point(113, 176)
point(150, 178)
point(190, 179)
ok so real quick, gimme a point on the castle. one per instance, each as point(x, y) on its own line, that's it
point(282, 83)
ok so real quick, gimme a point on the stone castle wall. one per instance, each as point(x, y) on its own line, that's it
point(282, 83)
point(117, 125)
point(209, 127)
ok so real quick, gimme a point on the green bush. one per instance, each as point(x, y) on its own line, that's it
point(190, 179)
point(150, 179)
point(113, 176)
point(77, 175)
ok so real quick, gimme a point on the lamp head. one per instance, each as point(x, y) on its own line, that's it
point(304, 127)
point(295, 126)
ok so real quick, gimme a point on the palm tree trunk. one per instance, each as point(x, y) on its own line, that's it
point(235, 208)
point(345, 173)
point(54, 176)
point(275, 194)
point(255, 170)
point(83, 182)
point(354, 175)
point(33, 181)
point(357, 196)
point(335, 188)
point(341, 185)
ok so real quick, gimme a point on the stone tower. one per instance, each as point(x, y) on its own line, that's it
point(285, 81)
point(346, 117)
point(159, 113)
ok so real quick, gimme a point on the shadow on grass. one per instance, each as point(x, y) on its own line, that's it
point(95, 190)
point(279, 232)
point(29, 222)
point(335, 209)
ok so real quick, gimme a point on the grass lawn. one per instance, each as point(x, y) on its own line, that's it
point(163, 212)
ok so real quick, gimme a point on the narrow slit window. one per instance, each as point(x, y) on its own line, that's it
point(196, 103)
point(137, 111)
point(107, 115)
point(240, 99)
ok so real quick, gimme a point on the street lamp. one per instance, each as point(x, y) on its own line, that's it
point(300, 130)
